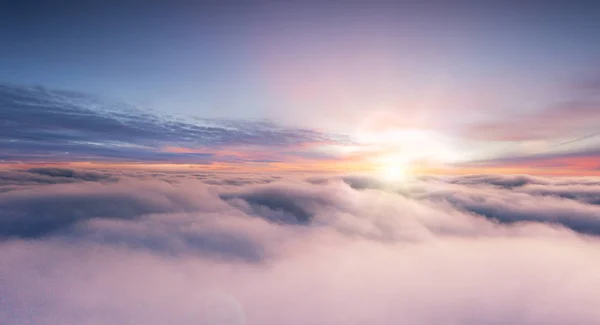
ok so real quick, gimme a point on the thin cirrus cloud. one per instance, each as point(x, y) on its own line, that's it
point(180, 247)
point(585, 161)
point(49, 126)
point(568, 119)
point(57, 126)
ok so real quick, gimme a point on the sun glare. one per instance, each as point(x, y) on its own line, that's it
point(393, 172)
point(397, 153)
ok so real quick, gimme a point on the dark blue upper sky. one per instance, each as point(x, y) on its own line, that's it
point(212, 58)
point(140, 52)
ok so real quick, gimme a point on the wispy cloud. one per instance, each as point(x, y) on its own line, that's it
point(48, 125)
point(567, 162)
point(570, 119)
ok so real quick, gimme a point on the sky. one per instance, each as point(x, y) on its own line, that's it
point(299, 162)
point(434, 86)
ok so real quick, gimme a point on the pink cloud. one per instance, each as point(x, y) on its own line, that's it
point(415, 253)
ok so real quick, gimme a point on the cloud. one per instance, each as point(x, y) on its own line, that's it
point(583, 161)
point(21, 179)
point(47, 125)
point(569, 118)
point(144, 249)
point(173, 235)
point(509, 207)
point(39, 211)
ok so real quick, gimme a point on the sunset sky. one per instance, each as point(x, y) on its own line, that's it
point(299, 162)
point(341, 86)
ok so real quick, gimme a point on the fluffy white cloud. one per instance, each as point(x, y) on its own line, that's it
point(434, 251)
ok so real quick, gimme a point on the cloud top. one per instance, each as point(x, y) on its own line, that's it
point(150, 248)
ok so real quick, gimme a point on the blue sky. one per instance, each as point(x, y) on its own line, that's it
point(205, 58)
point(498, 77)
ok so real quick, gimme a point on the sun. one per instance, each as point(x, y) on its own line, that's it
point(392, 167)
point(398, 154)
point(393, 172)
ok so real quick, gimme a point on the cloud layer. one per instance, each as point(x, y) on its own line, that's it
point(38, 124)
point(99, 247)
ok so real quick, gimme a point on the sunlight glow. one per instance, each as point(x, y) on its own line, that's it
point(393, 172)
point(395, 154)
